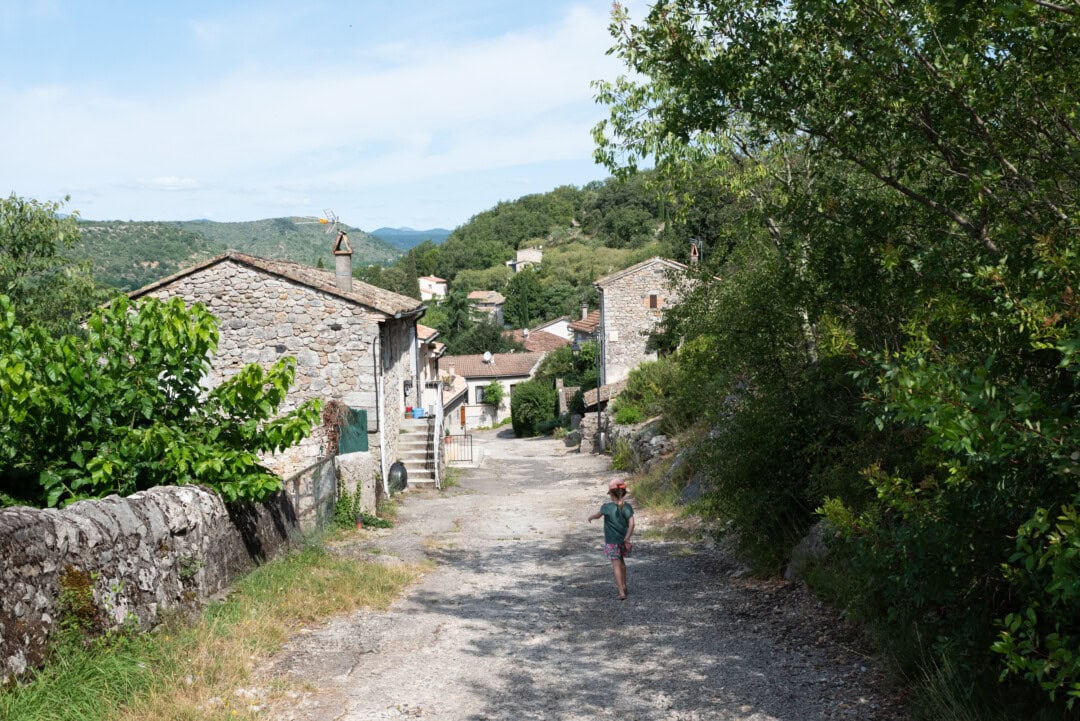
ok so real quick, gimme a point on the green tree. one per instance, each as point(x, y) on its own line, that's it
point(524, 302)
point(484, 335)
point(533, 409)
point(907, 177)
point(123, 408)
point(35, 273)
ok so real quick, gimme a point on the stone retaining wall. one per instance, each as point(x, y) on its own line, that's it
point(165, 549)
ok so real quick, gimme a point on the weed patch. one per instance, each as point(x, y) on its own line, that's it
point(182, 672)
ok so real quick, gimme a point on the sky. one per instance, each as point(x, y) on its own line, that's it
point(406, 113)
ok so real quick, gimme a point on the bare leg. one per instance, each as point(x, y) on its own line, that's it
point(625, 586)
point(619, 567)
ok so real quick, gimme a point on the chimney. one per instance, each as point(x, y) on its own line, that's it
point(525, 333)
point(584, 311)
point(694, 253)
point(343, 261)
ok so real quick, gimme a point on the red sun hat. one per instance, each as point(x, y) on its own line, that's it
point(616, 484)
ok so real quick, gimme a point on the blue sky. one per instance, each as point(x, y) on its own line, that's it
point(403, 113)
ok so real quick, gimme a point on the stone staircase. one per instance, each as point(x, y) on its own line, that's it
point(415, 448)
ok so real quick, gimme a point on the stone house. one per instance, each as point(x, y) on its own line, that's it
point(353, 343)
point(467, 408)
point(488, 302)
point(632, 304)
point(433, 287)
point(526, 257)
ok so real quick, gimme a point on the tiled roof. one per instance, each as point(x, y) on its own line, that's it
point(590, 324)
point(487, 296)
point(539, 341)
point(606, 393)
point(425, 333)
point(433, 278)
point(362, 293)
point(671, 264)
point(503, 365)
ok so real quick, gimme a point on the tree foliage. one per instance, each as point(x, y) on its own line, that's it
point(894, 330)
point(123, 408)
point(35, 272)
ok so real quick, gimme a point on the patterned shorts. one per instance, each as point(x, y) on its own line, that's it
point(615, 551)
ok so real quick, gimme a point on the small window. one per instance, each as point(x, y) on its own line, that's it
point(654, 301)
point(479, 396)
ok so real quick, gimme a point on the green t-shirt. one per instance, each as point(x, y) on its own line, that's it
point(616, 524)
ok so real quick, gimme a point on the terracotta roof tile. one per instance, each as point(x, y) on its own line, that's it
point(539, 341)
point(384, 301)
point(590, 324)
point(487, 296)
point(503, 365)
point(425, 333)
point(671, 264)
point(606, 393)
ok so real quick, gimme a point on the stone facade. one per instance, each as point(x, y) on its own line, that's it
point(158, 550)
point(344, 351)
point(632, 304)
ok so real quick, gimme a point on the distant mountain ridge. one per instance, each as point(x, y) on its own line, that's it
point(129, 254)
point(406, 238)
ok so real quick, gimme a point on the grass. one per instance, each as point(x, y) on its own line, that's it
point(188, 671)
point(451, 478)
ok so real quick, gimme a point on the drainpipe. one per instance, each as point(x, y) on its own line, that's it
point(380, 407)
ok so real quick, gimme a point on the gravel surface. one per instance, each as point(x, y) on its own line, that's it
point(519, 618)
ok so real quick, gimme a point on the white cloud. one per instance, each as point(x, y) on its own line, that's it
point(439, 110)
point(170, 182)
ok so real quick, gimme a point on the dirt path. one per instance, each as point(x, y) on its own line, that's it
point(519, 619)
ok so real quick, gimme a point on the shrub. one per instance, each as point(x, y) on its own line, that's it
point(627, 415)
point(533, 405)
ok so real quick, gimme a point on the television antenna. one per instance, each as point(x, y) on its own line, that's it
point(330, 220)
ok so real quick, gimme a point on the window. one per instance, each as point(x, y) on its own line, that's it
point(478, 397)
point(654, 301)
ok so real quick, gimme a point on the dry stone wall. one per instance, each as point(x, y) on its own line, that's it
point(160, 550)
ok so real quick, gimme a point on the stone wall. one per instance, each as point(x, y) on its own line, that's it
point(398, 348)
point(628, 319)
point(160, 550)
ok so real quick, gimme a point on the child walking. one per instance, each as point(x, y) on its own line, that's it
point(618, 518)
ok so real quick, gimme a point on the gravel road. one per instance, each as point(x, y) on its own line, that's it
point(519, 618)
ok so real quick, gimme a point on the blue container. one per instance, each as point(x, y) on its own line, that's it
point(417, 412)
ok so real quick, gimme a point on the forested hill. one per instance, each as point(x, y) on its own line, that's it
point(128, 255)
point(585, 232)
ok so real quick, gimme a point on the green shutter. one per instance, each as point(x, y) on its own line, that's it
point(353, 436)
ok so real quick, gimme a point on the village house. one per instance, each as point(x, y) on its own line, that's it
point(560, 327)
point(526, 258)
point(632, 303)
point(466, 375)
point(433, 287)
point(536, 341)
point(489, 303)
point(353, 342)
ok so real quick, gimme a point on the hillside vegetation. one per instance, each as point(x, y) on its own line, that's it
point(886, 334)
point(128, 255)
point(586, 233)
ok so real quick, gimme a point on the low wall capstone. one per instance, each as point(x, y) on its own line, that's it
point(165, 549)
